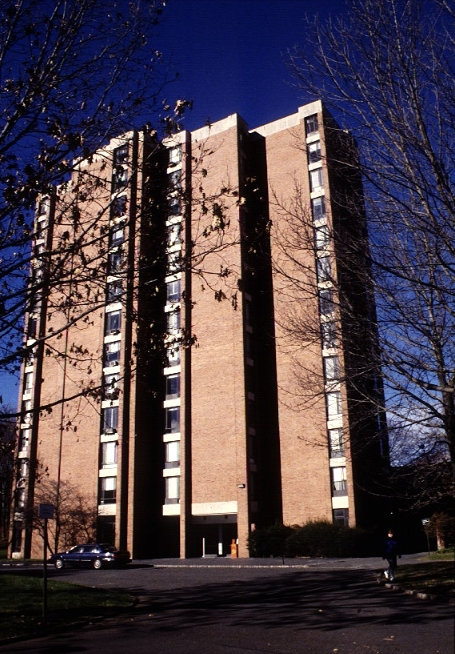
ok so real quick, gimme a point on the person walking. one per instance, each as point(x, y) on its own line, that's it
point(391, 553)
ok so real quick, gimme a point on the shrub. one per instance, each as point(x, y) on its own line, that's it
point(315, 538)
point(269, 541)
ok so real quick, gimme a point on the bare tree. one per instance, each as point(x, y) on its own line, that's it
point(7, 447)
point(74, 516)
point(73, 74)
point(386, 72)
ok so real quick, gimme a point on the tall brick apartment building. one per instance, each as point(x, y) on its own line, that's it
point(202, 363)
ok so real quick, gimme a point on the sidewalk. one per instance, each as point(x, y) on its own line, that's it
point(366, 563)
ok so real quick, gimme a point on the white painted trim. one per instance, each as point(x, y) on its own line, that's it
point(341, 502)
point(214, 508)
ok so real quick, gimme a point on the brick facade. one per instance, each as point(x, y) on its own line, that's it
point(220, 410)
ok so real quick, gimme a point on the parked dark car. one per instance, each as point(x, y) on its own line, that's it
point(91, 555)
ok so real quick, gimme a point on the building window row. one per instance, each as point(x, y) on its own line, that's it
point(107, 492)
point(32, 331)
point(119, 168)
point(331, 362)
point(171, 439)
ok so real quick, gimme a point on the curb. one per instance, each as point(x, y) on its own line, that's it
point(414, 593)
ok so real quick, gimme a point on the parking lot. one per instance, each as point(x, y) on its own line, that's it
point(218, 606)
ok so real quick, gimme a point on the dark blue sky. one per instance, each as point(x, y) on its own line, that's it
point(230, 57)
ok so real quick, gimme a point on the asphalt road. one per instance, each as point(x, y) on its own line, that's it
point(203, 608)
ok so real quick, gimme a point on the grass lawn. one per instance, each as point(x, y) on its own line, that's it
point(68, 605)
point(434, 577)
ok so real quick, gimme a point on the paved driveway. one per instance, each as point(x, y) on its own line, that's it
point(200, 607)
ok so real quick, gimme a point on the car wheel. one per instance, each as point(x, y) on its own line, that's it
point(97, 564)
point(58, 564)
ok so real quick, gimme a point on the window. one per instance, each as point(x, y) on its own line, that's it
point(326, 304)
point(336, 444)
point(175, 155)
point(172, 386)
point(323, 269)
point(43, 206)
point(316, 179)
point(118, 206)
point(341, 517)
point(27, 412)
point(329, 335)
point(114, 262)
point(172, 485)
point(116, 235)
point(174, 180)
point(172, 454)
point(35, 300)
point(114, 291)
point(113, 322)
point(121, 154)
point(108, 490)
point(321, 237)
point(119, 178)
point(110, 386)
point(110, 419)
point(20, 498)
point(28, 381)
point(333, 404)
point(173, 321)
point(109, 453)
point(318, 207)
point(174, 234)
point(314, 152)
point(29, 358)
point(172, 420)
point(247, 312)
point(112, 354)
point(338, 481)
point(173, 356)
point(32, 327)
point(173, 291)
point(249, 350)
point(23, 469)
point(24, 440)
point(311, 124)
point(174, 205)
point(331, 368)
point(39, 250)
point(174, 262)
